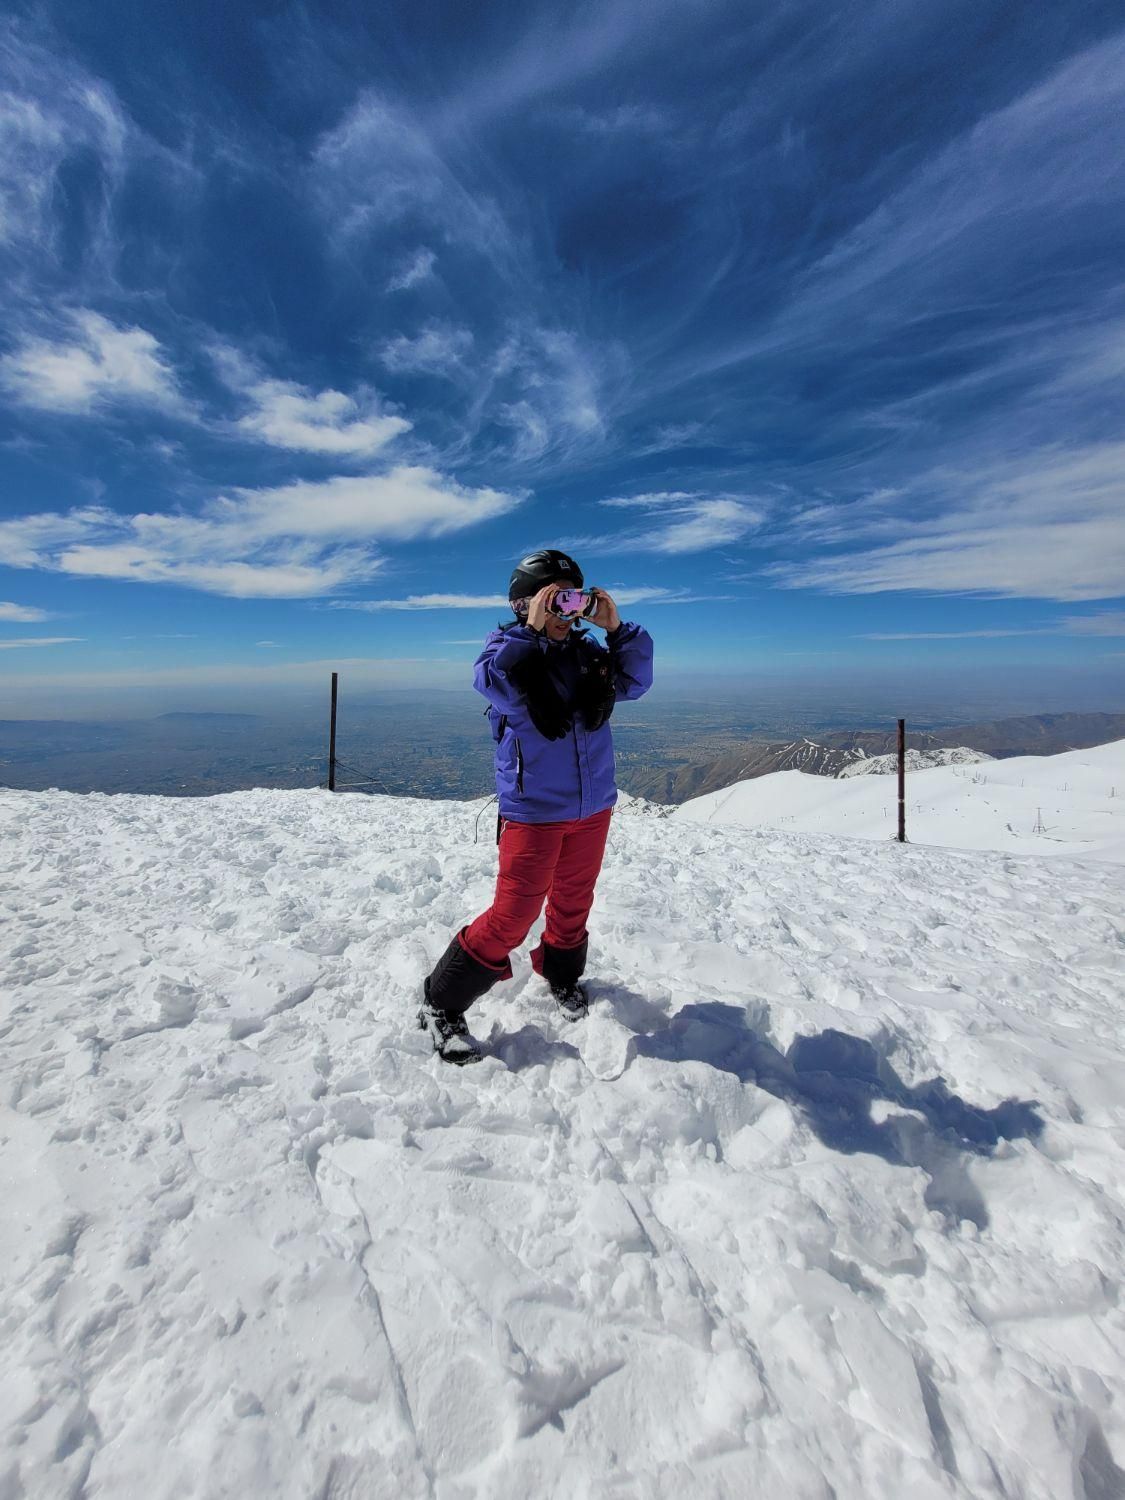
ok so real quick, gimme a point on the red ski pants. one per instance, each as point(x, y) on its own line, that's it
point(556, 861)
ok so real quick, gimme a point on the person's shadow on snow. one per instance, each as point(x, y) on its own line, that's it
point(834, 1079)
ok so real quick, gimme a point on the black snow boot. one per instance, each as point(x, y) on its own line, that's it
point(561, 970)
point(456, 981)
point(450, 1035)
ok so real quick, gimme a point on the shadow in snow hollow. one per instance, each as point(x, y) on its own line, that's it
point(834, 1079)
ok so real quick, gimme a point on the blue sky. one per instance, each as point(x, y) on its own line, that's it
point(802, 325)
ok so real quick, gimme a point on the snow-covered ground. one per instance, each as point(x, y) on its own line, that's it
point(1071, 804)
point(728, 1238)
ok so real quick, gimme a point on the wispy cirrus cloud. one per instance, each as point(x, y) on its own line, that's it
point(690, 521)
point(439, 349)
point(300, 540)
point(1045, 525)
point(536, 388)
point(620, 119)
point(1110, 622)
point(946, 635)
point(73, 161)
point(1024, 169)
point(527, 395)
point(380, 166)
point(51, 110)
point(412, 271)
point(556, 384)
point(38, 640)
point(554, 51)
point(1026, 162)
point(1105, 624)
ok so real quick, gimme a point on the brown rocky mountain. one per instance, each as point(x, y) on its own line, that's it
point(1038, 734)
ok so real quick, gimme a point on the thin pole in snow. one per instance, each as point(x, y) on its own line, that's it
point(332, 738)
point(902, 781)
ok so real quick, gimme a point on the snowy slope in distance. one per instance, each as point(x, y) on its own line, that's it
point(916, 760)
point(728, 1237)
point(1071, 804)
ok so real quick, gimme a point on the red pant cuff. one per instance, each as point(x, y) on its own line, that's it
point(504, 969)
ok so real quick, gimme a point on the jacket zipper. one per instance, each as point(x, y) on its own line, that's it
point(519, 768)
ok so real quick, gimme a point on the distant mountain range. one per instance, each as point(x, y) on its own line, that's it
point(843, 752)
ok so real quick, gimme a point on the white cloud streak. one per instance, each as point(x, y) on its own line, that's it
point(299, 540)
point(424, 601)
point(625, 596)
point(24, 614)
point(288, 415)
point(102, 366)
point(654, 500)
point(946, 635)
point(1107, 623)
point(108, 366)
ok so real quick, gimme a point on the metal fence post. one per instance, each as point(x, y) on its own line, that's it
point(902, 781)
point(332, 739)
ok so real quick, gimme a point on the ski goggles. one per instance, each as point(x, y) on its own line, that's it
point(569, 604)
point(574, 603)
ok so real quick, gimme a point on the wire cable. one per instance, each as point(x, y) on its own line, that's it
point(476, 824)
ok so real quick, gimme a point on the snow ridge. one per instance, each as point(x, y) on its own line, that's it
point(1071, 804)
point(916, 760)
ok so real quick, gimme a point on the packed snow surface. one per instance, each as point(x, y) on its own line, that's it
point(824, 1199)
point(1072, 804)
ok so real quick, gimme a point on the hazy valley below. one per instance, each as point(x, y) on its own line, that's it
point(438, 746)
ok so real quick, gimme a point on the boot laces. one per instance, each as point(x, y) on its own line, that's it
point(448, 1026)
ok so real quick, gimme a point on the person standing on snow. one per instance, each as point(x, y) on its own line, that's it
point(551, 690)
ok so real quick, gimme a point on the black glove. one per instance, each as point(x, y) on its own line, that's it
point(549, 713)
point(597, 688)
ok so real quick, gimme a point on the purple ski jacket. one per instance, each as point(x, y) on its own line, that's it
point(546, 781)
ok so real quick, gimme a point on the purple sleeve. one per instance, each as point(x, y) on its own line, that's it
point(632, 660)
point(504, 650)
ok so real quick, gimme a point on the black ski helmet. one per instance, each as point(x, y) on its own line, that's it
point(543, 567)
